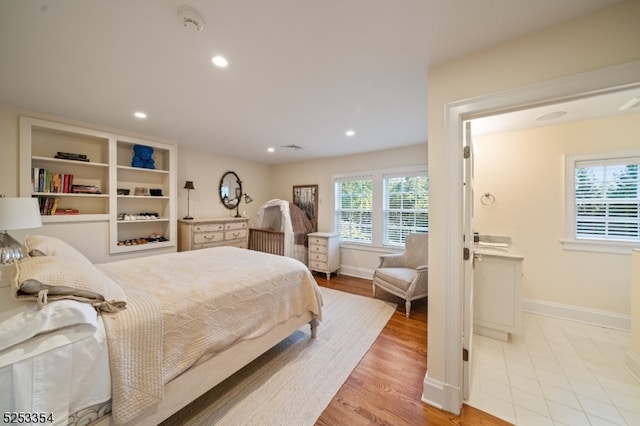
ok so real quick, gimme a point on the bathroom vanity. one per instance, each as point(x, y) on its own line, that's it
point(497, 292)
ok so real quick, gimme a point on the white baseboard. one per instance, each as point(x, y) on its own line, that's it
point(577, 313)
point(632, 362)
point(353, 271)
point(440, 395)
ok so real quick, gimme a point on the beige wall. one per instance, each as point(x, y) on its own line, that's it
point(204, 168)
point(360, 262)
point(597, 40)
point(525, 172)
point(635, 303)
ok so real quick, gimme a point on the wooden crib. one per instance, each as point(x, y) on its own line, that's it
point(266, 241)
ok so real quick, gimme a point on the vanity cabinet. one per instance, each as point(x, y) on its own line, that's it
point(199, 233)
point(497, 293)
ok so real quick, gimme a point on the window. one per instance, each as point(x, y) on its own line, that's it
point(381, 207)
point(354, 209)
point(605, 198)
point(406, 206)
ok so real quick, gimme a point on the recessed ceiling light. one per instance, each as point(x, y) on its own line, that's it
point(271, 149)
point(140, 114)
point(630, 104)
point(350, 133)
point(551, 115)
point(220, 61)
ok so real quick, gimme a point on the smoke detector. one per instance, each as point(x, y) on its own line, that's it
point(191, 18)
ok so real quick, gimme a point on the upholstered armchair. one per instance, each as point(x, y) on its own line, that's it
point(405, 274)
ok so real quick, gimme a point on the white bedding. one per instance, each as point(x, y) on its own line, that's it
point(58, 374)
point(53, 360)
point(181, 308)
point(209, 300)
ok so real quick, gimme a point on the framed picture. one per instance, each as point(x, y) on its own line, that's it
point(306, 197)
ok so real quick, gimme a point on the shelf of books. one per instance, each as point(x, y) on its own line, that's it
point(69, 171)
point(83, 175)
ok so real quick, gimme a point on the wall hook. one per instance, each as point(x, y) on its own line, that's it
point(487, 199)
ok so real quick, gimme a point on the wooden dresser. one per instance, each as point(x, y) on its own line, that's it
point(324, 252)
point(202, 233)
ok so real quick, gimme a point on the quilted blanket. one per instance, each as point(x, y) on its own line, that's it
point(183, 306)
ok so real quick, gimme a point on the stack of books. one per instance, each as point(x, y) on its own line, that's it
point(85, 189)
point(71, 156)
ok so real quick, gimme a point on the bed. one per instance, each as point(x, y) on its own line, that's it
point(174, 326)
point(281, 228)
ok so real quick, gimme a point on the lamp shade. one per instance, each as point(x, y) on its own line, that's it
point(188, 185)
point(19, 213)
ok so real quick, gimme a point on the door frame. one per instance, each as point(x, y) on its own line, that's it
point(576, 86)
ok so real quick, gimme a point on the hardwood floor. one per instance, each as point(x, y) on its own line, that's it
point(386, 386)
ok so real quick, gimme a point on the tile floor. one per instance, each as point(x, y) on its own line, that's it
point(556, 372)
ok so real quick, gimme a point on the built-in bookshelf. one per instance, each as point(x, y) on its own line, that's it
point(145, 213)
point(85, 175)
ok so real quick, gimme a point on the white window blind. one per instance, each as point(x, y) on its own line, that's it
point(406, 205)
point(354, 201)
point(607, 199)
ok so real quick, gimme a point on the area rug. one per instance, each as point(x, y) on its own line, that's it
point(293, 383)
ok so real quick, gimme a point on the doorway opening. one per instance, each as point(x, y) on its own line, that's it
point(538, 95)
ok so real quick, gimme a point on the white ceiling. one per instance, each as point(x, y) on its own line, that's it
point(301, 72)
point(617, 102)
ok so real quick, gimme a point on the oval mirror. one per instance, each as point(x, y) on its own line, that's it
point(230, 190)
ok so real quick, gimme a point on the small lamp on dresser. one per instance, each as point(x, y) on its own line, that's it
point(16, 213)
point(188, 186)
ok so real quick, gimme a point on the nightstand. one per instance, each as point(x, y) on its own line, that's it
point(324, 253)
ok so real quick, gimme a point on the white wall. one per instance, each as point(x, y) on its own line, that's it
point(525, 172)
point(354, 262)
point(597, 40)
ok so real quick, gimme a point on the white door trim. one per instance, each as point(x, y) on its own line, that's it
point(548, 92)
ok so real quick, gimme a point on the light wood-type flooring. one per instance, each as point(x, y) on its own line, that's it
point(386, 386)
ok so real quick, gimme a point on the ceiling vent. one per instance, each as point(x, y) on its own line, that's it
point(191, 18)
point(292, 147)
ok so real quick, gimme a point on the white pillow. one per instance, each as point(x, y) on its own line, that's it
point(20, 321)
point(42, 245)
point(47, 278)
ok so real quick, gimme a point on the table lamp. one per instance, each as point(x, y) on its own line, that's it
point(247, 200)
point(188, 186)
point(16, 213)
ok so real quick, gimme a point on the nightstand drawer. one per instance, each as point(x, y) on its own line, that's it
point(318, 266)
point(319, 257)
point(317, 241)
point(315, 248)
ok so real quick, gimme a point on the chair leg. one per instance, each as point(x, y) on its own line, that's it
point(374, 289)
point(407, 306)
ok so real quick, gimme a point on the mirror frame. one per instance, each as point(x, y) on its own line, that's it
point(228, 205)
point(306, 197)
